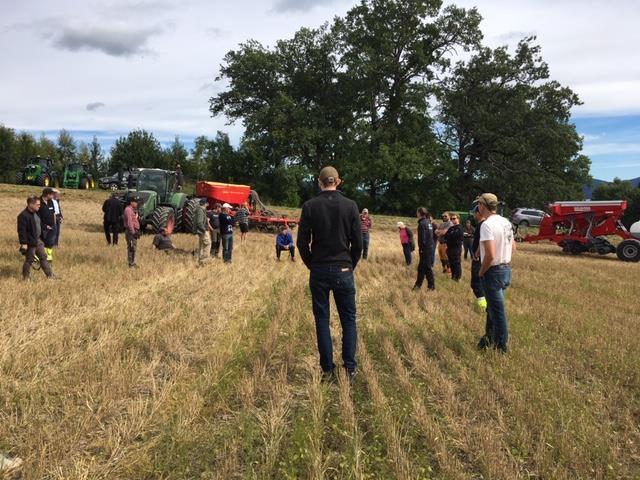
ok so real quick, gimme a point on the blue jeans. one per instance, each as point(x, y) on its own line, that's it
point(495, 282)
point(227, 247)
point(365, 245)
point(324, 279)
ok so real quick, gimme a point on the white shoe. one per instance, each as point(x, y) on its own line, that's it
point(9, 465)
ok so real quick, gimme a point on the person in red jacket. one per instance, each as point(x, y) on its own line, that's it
point(365, 224)
point(132, 230)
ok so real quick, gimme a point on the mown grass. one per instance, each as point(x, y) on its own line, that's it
point(178, 372)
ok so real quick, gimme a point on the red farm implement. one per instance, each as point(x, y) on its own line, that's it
point(580, 227)
point(260, 217)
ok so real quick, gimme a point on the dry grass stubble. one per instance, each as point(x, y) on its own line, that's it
point(174, 371)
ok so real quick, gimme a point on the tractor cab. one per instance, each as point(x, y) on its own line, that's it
point(162, 182)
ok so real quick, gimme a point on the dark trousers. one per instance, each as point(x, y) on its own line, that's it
point(30, 257)
point(132, 243)
point(406, 249)
point(48, 236)
point(365, 245)
point(425, 269)
point(454, 255)
point(467, 243)
point(476, 281)
point(56, 238)
point(292, 251)
point(495, 282)
point(111, 228)
point(322, 280)
point(215, 243)
point(227, 247)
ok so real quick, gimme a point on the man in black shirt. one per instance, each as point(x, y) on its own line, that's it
point(426, 250)
point(453, 238)
point(47, 221)
point(476, 281)
point(30, 238)
point(330, 245)
point(112, 219)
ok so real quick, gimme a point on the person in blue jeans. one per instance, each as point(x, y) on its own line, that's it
point(330, 245)
point(496, 247)
point(226, 232)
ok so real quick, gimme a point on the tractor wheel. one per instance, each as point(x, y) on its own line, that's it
point(629, 251)
point(92, 183)
point(84, 184)
point(19, 178)
point(44, 180)
point(56, 182)
point(189, 215)
point(179, 219)
point(523, 223)
point(160, 218)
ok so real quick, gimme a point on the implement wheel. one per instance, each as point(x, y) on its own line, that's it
point(629, 251)
point(189, 215)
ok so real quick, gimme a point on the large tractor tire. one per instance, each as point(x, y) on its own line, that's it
point(161, 217)
point(84, 184)
point(44, 180)
point(629, 251)
point(189, 215)
point(56, 182)
point(93, 183)
point(19, 178)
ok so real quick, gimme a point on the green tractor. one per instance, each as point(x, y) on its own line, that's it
point(77, 175)
point(160, 205)
point(39, 172)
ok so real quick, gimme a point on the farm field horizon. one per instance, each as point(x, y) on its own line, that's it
point(175, 371)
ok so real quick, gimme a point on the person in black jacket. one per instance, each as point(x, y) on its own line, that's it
point(47, 216)
point(330, 245)
point(426, 250)
point(112, 220)
point(453, 238)
point(30, 238)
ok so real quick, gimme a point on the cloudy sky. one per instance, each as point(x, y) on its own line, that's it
point(109, 67)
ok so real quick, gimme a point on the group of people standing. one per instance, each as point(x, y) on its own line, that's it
point(39, 226)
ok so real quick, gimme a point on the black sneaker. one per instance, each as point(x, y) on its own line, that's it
point(484, 343)
point(328, 376)
point(351, 376)
point(416, 288)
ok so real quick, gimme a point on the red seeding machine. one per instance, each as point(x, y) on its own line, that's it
point(580, 227)
point(260, 217)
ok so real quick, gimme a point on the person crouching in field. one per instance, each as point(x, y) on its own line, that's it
point(202, 230)
point(496, 247)
point(284, 241)
point(162, 241)
point(406, 240)
point(30, 238)
point(330, 245)
point(453, 238)
point(132, 230)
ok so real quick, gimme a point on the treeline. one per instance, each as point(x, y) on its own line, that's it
point(380, 95)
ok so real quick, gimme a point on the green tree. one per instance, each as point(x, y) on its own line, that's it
point(97, 162)
point(25, 148)
point(83, 155)
point(46, 147)
point(9, 164)
point(176, 154)
point(621, 190)
point(507, 128)
point(67, 150)
point(138, 149)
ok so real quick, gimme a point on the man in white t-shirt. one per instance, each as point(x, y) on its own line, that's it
point(496, 247)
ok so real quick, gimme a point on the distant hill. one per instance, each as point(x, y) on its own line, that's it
point(587, 190)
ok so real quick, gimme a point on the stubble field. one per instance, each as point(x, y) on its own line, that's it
point(176, 372)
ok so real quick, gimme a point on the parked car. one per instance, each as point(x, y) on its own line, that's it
point(527, 217)
point(118, 181)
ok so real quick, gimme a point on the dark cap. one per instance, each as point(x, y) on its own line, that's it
point(135, 199)
point(47, 191)
point(329, 176)
point(204, 201)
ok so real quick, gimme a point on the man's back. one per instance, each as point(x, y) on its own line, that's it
point(330, 231)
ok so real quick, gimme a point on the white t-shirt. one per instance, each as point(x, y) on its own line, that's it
point(499, 230)
point(56, 206)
